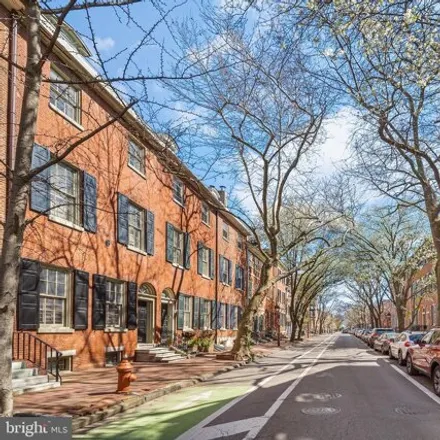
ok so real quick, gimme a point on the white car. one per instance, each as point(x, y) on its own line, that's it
point(399, 348)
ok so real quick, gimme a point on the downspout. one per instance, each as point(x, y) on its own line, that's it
point(12, 92)
point(216, 265)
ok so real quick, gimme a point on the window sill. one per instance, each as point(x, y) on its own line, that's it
point(66, 223)
point(178, 266)
point(181, 204)
point(140, 173)
point(138, 251)
point(115, 330)
point(225, 284)
point(67, 118)
point(55, 330)
point(206, 224)
point(206, 277)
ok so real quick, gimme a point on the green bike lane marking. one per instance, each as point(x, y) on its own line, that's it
point(168, 417)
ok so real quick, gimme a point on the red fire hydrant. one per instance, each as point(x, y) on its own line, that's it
point(125, 376)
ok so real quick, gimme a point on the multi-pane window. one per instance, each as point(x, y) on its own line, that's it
point(178, 190)
point(178, 247)
point(206, 214)
point(225, 270)
point(206, 314)
point(204, 261)
point(240, 241)
point(54, 293)
point(64, 193)
point(187, 312)
point(136, 157)
point(114, 304)
point(222, 317)
point(135, 227)
point(65, 97)
point(225, 231)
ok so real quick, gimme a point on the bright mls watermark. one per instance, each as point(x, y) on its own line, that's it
point(36, 428)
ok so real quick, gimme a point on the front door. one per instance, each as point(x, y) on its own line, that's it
point(145, 321)
point(142, 321)
point(164, 321)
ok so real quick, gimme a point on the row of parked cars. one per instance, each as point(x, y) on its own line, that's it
point(418, 351)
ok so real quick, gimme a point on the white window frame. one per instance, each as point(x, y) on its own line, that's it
point(109, 302)
point(46, 297)
point(224, 271)
point(240, 241)
point(225, 229)
point(132, 228)
point(56, 89)
point(74, 196)
point(206, 212)
point(235, 313)
point(205, 261)
point(187, 312)
point(178, 191)
point(223, 316)
point(139, 159)
point(207, 318)
point(178, 247)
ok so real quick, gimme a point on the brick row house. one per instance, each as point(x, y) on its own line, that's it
point(126, 246)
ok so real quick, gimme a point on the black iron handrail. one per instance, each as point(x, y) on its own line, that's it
point(28, 347)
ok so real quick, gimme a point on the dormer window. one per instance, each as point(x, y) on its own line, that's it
point(206, 214)
point(225, 231)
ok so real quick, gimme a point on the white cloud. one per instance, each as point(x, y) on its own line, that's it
point(106, 43)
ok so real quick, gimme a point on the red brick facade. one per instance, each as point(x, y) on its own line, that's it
point(160, 285)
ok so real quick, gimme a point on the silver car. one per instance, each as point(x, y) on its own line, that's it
point(399, 348)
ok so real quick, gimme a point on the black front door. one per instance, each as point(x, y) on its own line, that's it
point(164, 323)
point(142, 321)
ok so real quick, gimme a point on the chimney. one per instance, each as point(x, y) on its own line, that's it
point(223, 196)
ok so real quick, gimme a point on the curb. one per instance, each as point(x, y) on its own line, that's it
point(80, 424)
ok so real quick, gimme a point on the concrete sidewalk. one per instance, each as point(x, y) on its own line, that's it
point(89, 396)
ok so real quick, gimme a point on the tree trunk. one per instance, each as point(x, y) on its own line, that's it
point(17, 204)
point(400, 313)
point(242, 342)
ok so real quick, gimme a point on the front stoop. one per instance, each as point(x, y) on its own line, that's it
point(157, 354)
point(27, 380)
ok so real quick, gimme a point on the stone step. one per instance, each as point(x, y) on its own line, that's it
point(144, 357)
point(167, 354)
point(29, 381)
point(169, 359)
point(18, 365)
point(24, 372)
point(36, 388)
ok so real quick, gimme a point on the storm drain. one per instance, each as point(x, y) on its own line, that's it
point(321, 411)
point(405, 411)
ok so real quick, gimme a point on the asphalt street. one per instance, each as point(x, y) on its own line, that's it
point(333, 387)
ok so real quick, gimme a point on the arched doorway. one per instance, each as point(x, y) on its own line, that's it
point(167, 301)
point(146, 308)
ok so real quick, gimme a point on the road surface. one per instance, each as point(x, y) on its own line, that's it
point(331, 388)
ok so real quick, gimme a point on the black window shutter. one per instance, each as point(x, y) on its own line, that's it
point(227, 313)
point(196, 314)
point(28, 295)
point(203, 324)
point(229, 272)
point(220, 269)
point(89, 202)
point(122, 219)
point(180, 311)
point(170, 242)
point(98, 321)
point(149, 232)
point(199, 257)
point(211, 264)
point(40, 185)
point(213, 315)
point(187, 250)
point(219, 315)
point(131, 306)
point(81, 300)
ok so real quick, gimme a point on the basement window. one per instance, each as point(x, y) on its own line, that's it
point(113, 358)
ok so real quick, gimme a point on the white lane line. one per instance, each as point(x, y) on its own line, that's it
point(192, 433)
point(430, 394)
point(272, 410)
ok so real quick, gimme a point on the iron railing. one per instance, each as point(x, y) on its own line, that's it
point(28, 347)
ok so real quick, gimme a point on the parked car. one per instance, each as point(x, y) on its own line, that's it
point(382, 343)
point(375, 333)
point(365, 335)
point(425, 358)
point(399, 348)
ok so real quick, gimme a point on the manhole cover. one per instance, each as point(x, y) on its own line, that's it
point(409, 411)
point(322, 411)
point(321, 397)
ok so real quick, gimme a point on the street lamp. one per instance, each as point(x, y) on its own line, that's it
point(277, 309)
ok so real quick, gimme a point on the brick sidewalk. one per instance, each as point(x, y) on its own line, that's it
point(88, 392)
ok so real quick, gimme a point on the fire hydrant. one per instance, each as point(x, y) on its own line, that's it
point(125, 376)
